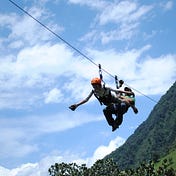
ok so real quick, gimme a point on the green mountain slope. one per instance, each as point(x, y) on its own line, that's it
point(154, 138)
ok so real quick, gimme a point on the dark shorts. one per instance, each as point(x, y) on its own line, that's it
point(121, 108)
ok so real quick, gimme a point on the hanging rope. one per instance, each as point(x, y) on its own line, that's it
point(101, 75)
point(116, 82)
point(71, 46)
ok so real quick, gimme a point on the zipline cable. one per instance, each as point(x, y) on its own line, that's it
point(71, 46)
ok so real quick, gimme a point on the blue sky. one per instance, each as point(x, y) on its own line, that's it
point(41, 76)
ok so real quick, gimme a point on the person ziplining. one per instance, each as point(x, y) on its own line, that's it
point(116, 101)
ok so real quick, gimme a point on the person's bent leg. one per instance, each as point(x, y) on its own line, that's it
point(122, 109)
point(108, 115)
point(119, 119)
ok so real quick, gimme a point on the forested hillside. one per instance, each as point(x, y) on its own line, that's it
point(154, 138)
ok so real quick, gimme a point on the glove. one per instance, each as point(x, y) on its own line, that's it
point(73, 107)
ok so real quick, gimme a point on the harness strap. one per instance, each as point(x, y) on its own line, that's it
point(106, 98)
point(116, 82)
point(101, 75)
point(98, 98)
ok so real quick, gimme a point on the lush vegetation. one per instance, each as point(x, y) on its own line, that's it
point(170, 157)
point(108, 167)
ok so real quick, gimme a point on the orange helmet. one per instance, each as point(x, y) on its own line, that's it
point(96, 81)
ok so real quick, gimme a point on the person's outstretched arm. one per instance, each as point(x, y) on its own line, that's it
point(74, 106)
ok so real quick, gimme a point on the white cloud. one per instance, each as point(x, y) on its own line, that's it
point(41, 168)
point(43, 59)
point(124, 32)
point(22, 30)
point(54, 96)
point(7, 19)
point(157, 74)
point(96, 4)
point(103, 151)
point(4, 171)
point(122, 20)
point(127, 15)
point(15, 45)
point(15, 148)
point(117, 12)
point(123, 12)
point(34, 70)
point(29, 169)
point(37, 169)
point(17, 134)
point(167, 5)
point(27, 29)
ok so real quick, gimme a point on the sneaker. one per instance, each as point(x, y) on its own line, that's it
point(114, 127)
point(135, 110)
